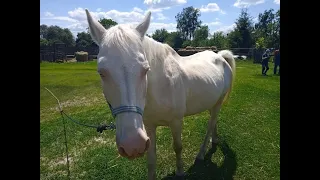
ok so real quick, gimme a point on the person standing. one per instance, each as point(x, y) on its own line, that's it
point(265, 62)
point(276, 61)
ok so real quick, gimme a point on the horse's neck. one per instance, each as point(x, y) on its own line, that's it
point(165, 72)
point(157, 53)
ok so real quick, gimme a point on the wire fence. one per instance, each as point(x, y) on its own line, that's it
point(61, 138)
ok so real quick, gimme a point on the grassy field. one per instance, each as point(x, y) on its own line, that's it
point(248, 128)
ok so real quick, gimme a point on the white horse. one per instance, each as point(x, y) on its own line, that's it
point(147, 84)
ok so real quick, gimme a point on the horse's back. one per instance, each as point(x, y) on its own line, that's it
point(205, 65)
point(205, 80)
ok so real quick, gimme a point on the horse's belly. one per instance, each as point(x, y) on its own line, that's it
point(203, 95)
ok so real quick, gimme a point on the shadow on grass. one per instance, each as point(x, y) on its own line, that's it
point(269, 74)
point(207, 170)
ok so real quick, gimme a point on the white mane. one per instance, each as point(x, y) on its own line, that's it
point(125, 36)
point(122, 36)
point(156, 51)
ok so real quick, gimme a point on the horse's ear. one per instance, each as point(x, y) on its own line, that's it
point(95, 28)
point(144, 25)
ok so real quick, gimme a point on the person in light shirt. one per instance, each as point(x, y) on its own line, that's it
point(265, 62)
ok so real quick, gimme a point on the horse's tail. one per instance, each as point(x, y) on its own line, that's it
point(228, 56)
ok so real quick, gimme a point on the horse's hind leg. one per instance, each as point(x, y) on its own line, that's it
point(214, 136)
point(176, 130)
point(214, 116)
point(211, 130)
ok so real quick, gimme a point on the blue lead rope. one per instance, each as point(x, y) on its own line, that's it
point(122, 109)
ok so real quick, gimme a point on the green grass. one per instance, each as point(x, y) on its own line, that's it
point(248, 128)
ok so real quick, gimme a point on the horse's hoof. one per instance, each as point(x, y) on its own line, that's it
point(198, 161)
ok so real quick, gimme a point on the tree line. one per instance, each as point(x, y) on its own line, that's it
point(190, 32)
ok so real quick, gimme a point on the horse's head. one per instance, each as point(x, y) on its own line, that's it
point(123, 68)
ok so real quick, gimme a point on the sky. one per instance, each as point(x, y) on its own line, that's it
point(219, 15)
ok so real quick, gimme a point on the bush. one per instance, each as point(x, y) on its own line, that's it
point(81, 56)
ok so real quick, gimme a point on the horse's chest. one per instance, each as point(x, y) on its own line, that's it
point(165, 101)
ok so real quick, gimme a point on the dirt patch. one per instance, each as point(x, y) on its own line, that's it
point(50, 113)
point(76, 151)
point(59, 161)
point(84, 101)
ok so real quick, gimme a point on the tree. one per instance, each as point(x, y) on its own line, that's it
point(84, 40)
point(200, 36)
point(276, 42)
point(44, 42)
point(187, 22)
point(186, 43)
point(107, 23)
point(174, 40)
point(160, 35)
point(260, 43)
point(235, 39)
point(241, 37)
point(268, 27)
point(219, 40)
point(56, 34)
point(43, 31)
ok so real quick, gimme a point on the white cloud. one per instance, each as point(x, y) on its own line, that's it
point(61, 18)
point(170, 27)
point(79, 14)
point(276, 1)
point(215, 23)
point(123, 17)
point(247, 3)
point(118, 16)
point(76, 20)
point(159, 5)
point(161, 16)
point(224, 29)
point(77, 28)
point(213, 26)
point(99, 9)
point(136, 9)
point(211, 7)
point(48, 14)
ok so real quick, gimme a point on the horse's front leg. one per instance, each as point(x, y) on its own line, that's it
point(151, 154)
point(176, 129)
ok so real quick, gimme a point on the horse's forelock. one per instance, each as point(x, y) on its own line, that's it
point(123, 37)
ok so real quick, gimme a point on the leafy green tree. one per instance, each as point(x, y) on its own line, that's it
point(160, 35)
point(200, 36)
point(84, 40)
point(174, 40)
point(241, 36)
point(188, 21)
point(56, 34)
point(107, 23)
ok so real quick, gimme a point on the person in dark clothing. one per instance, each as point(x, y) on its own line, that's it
point(265, 62)
point(276, 61)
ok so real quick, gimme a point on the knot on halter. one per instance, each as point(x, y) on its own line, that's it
point(122, 109)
